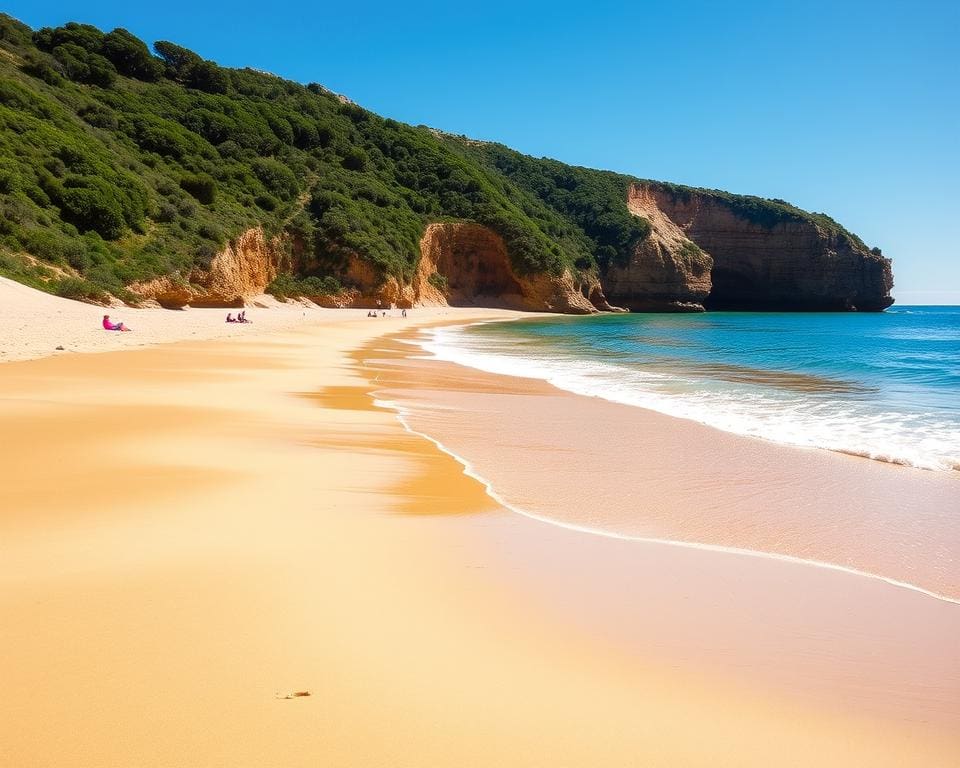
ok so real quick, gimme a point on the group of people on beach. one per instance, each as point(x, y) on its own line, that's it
point(374, 313)
point(109, 325)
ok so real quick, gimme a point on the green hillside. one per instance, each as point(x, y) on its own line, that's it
point(120, 164)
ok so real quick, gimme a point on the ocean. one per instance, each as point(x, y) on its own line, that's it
point(880, 385)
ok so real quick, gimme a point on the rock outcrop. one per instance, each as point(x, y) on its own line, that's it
point(474, 269)
point(466, 264)
point(792, 263)
point(701, 252)
point(244, 268)
point(667, 271)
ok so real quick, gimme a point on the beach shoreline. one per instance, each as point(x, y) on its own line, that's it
point(424, 393)
point(194, 531)
point(748, 491)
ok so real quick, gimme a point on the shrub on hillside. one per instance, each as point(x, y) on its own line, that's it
point(166, 212)
point(53, 247)
point(286, 286)
point(91, 209)
point(267, 202)
point(355, 159)
point(14, 31)
point(82, 66)
point(201, 185)
point(41, 66)
point(277, 178)
point(79, 289)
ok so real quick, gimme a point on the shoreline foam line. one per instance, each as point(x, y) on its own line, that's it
point(438, 347)
point(469, 471)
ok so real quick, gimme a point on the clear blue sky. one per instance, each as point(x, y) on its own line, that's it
point(847, 107)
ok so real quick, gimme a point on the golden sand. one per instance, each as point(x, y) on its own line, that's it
point(193, 534)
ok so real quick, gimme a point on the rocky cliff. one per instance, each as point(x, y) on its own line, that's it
point(667, 272)
point(765, 256)
point(466, 264)
point(244, 268)
point(461, 264)
point(702, 252)
point(133, 165)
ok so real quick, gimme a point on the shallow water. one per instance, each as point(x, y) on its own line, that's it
point(603, 465)
point(880, 385)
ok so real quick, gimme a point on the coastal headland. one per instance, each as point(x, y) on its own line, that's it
point(161, 178)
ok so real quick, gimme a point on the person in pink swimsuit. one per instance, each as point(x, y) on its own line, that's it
point(108, 326)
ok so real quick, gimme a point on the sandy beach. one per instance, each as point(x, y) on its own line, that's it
point(193, 533)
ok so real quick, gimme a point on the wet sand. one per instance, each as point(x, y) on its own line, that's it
point(626, 471)
point(192, 533)
point(591, 474)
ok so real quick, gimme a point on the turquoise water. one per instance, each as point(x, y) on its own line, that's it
point(881, 385)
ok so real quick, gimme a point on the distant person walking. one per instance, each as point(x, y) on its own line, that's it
point(108, 326)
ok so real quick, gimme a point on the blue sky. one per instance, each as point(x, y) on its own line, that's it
point(851, 108)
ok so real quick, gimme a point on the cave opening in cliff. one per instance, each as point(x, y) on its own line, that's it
point(731, 290)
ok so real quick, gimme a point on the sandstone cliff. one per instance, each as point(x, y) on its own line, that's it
point(244, 268)
point(475, 269)
point(466, 264)
point(785, 262)
point(666, 272)
point(701, 252)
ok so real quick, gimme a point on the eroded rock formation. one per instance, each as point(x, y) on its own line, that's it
point(784, 265)
point(701, 252)
point(466, 264)
point(244, 268)
point(474, 262)
point(667, 271)
point(475, 270)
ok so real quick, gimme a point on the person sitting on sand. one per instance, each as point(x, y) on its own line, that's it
point(230, 318)
point(108, 326)
point(242, 317)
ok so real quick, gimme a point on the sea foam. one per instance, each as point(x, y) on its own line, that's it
point(853, 424)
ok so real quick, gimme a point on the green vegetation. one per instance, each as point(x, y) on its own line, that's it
point(593, 201)
point(691, 251)
point(759, 210)
point(286, 286)
point(438, 281)
point(118, 165)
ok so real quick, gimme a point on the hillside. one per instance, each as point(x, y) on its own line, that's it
point(159, 175)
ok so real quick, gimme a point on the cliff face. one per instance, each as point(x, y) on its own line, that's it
point(784, 265)
point(463, 264)
point(244, 268)
point(474, 269)
point(667, 271)
point(700, 253)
